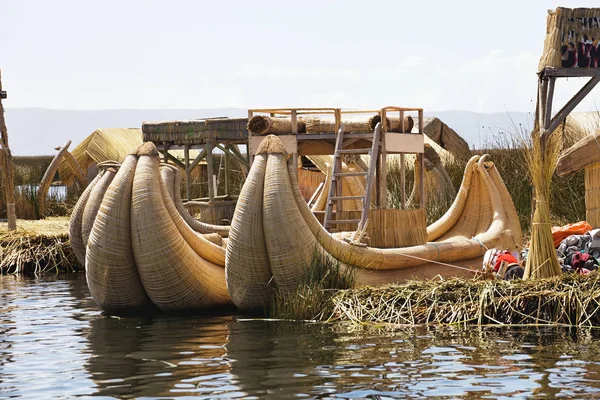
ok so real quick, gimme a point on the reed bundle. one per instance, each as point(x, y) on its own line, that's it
point(393, 123)
point(36, 246)
point(592, 194)
point(391, 228)
point(542, 158)
point(264, 125)
point(569, 299)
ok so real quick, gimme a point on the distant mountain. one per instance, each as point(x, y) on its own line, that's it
point(37, 131)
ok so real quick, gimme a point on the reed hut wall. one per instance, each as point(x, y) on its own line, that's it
point(592, 194)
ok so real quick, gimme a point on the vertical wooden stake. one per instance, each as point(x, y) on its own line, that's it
point(383, 171)
point(402, 182)
point(227, 171)
point(209, 172)
point(188, 184)
point(7, 170)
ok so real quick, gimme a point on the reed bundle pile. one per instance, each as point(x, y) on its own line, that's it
point(542, 158)
point(36, 246)
point(264, 125)
point(569, 299)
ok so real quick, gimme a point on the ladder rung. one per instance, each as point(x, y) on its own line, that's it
point(344, 221)
point(350, 174)
point(354, 151)
point(347, 197)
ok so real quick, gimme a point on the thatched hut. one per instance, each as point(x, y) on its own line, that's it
point(585, 154)
point(102, 145)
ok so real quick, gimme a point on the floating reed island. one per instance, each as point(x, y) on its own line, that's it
point(37, 246)
point(569, 299)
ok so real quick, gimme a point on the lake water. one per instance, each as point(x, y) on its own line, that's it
point(55, 343)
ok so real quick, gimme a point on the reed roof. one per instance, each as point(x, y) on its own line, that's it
point(584, 126)
point(102, 145)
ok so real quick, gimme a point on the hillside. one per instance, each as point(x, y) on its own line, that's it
point(37, 131)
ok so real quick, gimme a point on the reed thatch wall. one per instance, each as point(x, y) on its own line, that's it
point(592, 194)
point(566, 28)
point(309, 181)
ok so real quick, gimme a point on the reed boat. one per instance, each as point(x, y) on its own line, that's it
point(144, 249)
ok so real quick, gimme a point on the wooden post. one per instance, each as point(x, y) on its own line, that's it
point(402, 182)
point(7, 169)
point(549, 98)
point(383, 170)
point(165, 153)
point(422, 172)
point(227, 171)
point(209, 172)
point(188, 184)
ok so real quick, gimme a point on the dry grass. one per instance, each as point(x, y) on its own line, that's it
point(569, 299)
point(311, 301)
point(36, 246)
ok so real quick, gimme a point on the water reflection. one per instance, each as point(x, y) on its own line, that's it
point(54, 342)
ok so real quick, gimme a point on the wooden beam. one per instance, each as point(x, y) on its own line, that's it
point(422, 180)
point(542, 96)
point(570, 72)
point(571, 104)
point(172, 158)
point(549, 98)
point(383, 171)
point(198, 158)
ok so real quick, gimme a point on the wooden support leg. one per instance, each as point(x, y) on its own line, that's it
point(402, 182)
point(227, 171)
point(210, 172)
point(188, 184)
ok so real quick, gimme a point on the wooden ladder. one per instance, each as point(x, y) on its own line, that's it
point(335, 188)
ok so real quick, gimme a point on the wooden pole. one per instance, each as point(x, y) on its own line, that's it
point(188, 184)
point(209, 170)
point(227, 171)
point(7, 170)
point(402, 181)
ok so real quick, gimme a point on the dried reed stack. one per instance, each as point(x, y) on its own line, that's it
point(559, 24)
point(391, 228)
point(264, 125)
point(592, 194)
point(542, 158)
point(393, 123)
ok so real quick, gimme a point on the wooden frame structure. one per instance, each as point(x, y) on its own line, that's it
point(546, 83)
point(302, 144)
point(205, 136)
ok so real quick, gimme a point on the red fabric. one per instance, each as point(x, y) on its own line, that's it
point(561, 232)
point(505, 256)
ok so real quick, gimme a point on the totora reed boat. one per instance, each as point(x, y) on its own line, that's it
point(142, 248)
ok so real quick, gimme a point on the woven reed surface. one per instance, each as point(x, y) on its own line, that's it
point(207, 249)
point(592, 195)
point(247, 268)
point(93, 203)
point(391, 228)
point(173, 275)
point(460, 248)
point(101, 145)
point(76, 221)
point(583, 153)
point(289, 247)
point(309, 181)
point(447, 138)
point(558, 25)
point(195, 131)
point(111, 271)
point(198, 226)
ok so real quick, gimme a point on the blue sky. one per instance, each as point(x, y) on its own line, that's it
point(441, 55)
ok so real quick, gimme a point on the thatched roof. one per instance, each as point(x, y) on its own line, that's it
point(584, 126)
point(446, 137)
point(102, 145)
